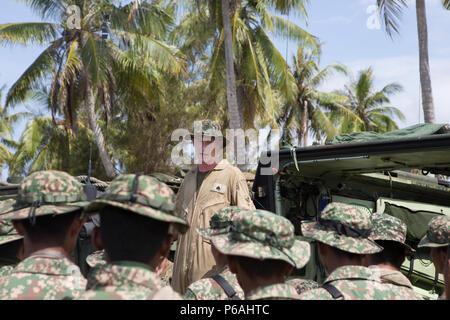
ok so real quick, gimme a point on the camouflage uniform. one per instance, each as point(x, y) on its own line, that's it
point(302, 285)
point(130, 280)
point(389, 228)
point(279, 291)
point(166, 273)
point(347, 228)
point(224, 186)
point(438, 235)
point(7, 235)
point(96, 258)
point(260, 234)
point(45, 274)
point(207, 288)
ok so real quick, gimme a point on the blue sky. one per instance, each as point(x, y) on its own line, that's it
point(342, 28)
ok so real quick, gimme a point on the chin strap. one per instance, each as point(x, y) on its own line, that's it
point(32, 212)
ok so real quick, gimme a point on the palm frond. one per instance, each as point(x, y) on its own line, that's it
point(28, 33)
point(166, 57)
point(290, 30)
point(390, 12)
point(35, 72)
point(446, 4)
point(47, 8)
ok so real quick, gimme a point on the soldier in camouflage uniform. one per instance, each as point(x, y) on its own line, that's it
point(11, 245)
point(262, 252)
point(302, 285)
point(47, 212)
point(99, 258)
point(342, 233)
point(222, 284)
point(390, 233)
point(437, 239)
point(207, 188)
point(137, 227)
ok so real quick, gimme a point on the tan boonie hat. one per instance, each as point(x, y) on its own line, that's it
point(343, 226)
point(388, 228)
point(260, 234)
point(47, 193)
point(220, 222)
point(143, 195)
point(438, 233)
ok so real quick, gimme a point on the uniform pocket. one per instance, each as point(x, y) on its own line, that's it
point(211, 207)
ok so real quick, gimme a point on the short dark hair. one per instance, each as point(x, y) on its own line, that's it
point(346, 254)
point(130, 236)
point(256, 268)
point(51, 228)
point(393, 254)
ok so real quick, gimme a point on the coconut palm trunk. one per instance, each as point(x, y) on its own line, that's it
point(97, 132)
point(236, 121)
point(425, 78)
point(305, 121)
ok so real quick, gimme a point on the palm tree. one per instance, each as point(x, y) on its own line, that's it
point(308, 113)
point(6, 123)
point(261, 71)
point(369, 105)
point(446, 4)
point(234, 112)
point(81, 68)
point(5, 133)
point(390, 12)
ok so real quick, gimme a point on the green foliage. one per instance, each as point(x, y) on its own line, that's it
point(152, 76)
point(309, 113)
point(370, 106)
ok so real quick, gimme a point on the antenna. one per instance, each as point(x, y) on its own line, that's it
point(89, 189)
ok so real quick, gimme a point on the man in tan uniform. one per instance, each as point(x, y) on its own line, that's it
point(208, 187)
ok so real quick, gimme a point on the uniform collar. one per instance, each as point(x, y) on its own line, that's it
point(352, 272)
point(274, 291)
point(222, 165)
point(124, 273)
point(46, 264)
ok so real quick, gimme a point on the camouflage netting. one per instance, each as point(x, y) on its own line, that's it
point(418, 130)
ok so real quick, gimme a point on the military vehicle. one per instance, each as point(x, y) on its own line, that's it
point(400, 173)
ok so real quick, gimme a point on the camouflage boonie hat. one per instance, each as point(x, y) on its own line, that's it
point(387, 227)
point(260, 234)
point(438, 233)
point(143, 195)
point(6, 205)
point(47, 192)
point(343, 226)
point(7, 231)
point(220, 222)
point(209, 128)
point(96, 258)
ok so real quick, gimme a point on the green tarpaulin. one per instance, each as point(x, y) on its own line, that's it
point(418, 130)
